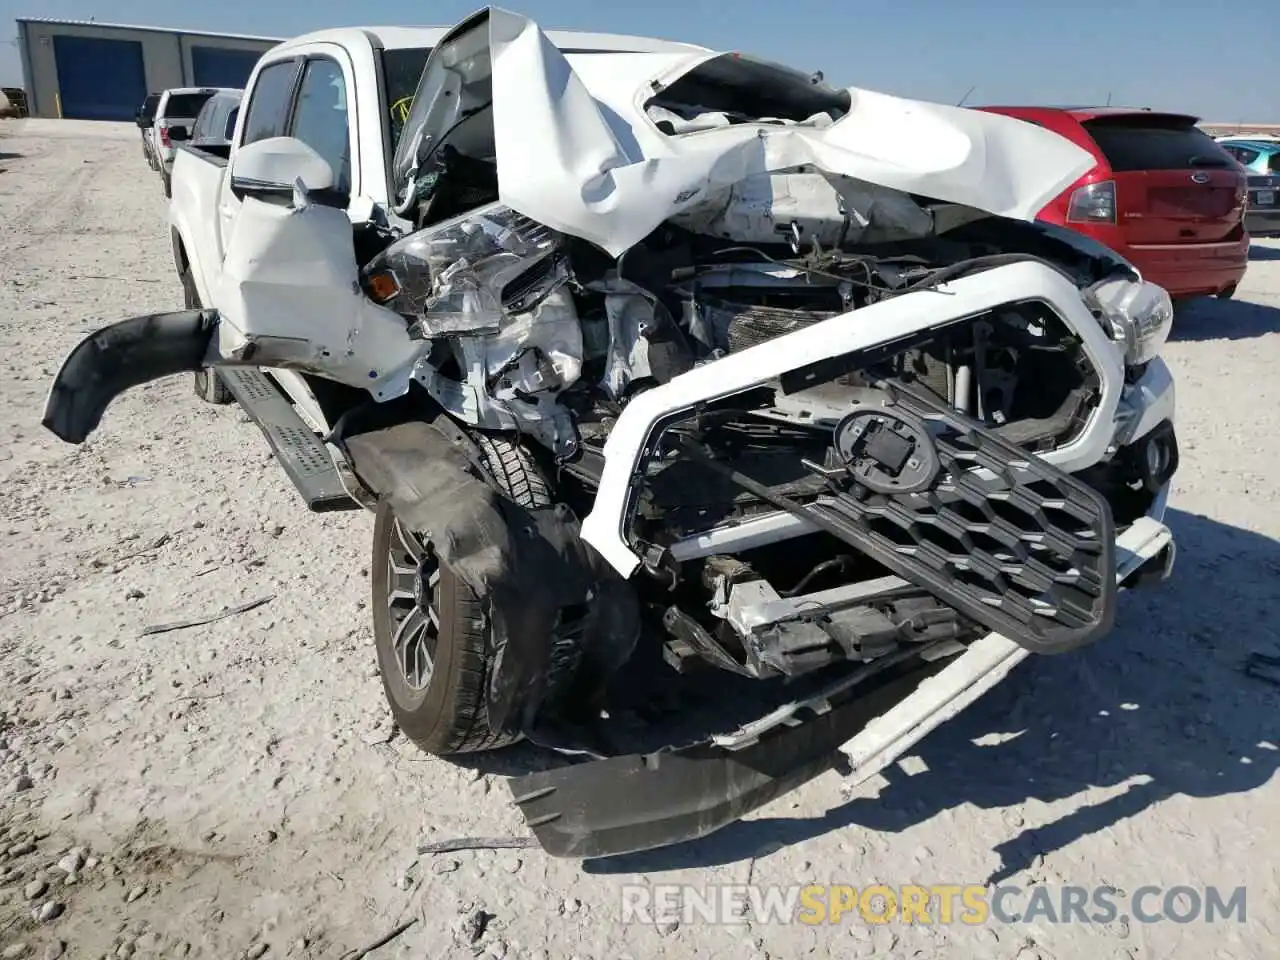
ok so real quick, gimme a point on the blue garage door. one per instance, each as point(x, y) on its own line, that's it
point(99, 79)
point(213, 67)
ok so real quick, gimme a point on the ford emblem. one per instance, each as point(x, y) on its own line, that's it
point(1200, 178)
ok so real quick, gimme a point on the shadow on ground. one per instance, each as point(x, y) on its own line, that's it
point(1207, 318)
point(4, 155)
point(1264, 253)
point(1160, 708)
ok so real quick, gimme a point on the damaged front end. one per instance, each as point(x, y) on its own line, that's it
point(800, 404)
point(828, 417)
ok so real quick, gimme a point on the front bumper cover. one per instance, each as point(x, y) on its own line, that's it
point(631, 803)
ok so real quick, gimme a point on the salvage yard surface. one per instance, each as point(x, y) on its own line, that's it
point(237, 789)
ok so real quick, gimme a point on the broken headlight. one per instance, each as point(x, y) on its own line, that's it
point(1140, 314)
point(464, 276)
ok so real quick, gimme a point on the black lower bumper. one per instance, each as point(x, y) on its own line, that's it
point(631, 803)
point(118, 357)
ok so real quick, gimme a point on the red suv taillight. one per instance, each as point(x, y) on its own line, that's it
point(164, 137)
point(1093, 203)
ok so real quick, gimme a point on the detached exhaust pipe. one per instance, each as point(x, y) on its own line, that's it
point(118, 357)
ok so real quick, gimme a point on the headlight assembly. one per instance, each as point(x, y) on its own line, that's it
point(1140, 315)
point(464, 276)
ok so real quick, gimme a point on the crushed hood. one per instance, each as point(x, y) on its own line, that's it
point(576, 149)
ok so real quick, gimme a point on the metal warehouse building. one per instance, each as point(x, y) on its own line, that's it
point(103, 71)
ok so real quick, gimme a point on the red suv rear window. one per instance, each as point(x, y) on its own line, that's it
point(1138, 142)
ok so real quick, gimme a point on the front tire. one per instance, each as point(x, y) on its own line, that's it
point(206, 383)
point(434, 648)
point(1227, 292)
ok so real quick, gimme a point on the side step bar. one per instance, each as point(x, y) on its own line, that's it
point(301, 453)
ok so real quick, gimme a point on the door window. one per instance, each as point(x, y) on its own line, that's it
point(269, 104)
point(320, 117)
point(1242, 154)
point(204, 120)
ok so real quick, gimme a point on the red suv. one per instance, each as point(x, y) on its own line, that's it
point(1163, 195)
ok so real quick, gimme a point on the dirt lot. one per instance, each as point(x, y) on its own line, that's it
point(235, 793)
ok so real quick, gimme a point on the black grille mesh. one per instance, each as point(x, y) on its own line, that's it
point(1026, 550)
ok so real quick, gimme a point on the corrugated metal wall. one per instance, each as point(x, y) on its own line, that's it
point(93, 70)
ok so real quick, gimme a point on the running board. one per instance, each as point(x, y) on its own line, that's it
point(301, 453)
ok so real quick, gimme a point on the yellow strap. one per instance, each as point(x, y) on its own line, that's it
point(400, 109)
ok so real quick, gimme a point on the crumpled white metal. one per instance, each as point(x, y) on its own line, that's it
point(576, 151)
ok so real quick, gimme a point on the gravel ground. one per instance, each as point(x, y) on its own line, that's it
point(231, 790)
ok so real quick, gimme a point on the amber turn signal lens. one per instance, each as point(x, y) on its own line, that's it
point(381, 286)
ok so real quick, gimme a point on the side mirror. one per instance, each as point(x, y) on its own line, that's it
point(179, 134)
point(270, 168)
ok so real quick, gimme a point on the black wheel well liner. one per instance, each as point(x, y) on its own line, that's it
point(180, 259)
point(524, 564)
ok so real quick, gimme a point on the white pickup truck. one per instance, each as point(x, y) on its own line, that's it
point(649, 357)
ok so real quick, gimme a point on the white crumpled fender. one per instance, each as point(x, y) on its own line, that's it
point(289, 296)
point(604, 172)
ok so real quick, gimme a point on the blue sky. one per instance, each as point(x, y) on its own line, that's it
point(1199, 58)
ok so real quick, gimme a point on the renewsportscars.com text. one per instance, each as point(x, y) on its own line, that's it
point(971, 904)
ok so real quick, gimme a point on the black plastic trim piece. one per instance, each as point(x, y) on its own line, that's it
point(626, 804)
point(121, 356)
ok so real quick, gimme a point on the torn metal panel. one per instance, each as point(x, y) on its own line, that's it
point(525, 565)
point(511, 380)
point(609, 174)
point(289, 296)
point(536, 353)
point(762, 207)
point(632, 314)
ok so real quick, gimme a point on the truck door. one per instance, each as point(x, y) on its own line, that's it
point(265, 115)
point(288, 283)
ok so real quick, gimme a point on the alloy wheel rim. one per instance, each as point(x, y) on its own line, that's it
point(413, 575)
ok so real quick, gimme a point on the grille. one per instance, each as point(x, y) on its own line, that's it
point(1026, 550)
